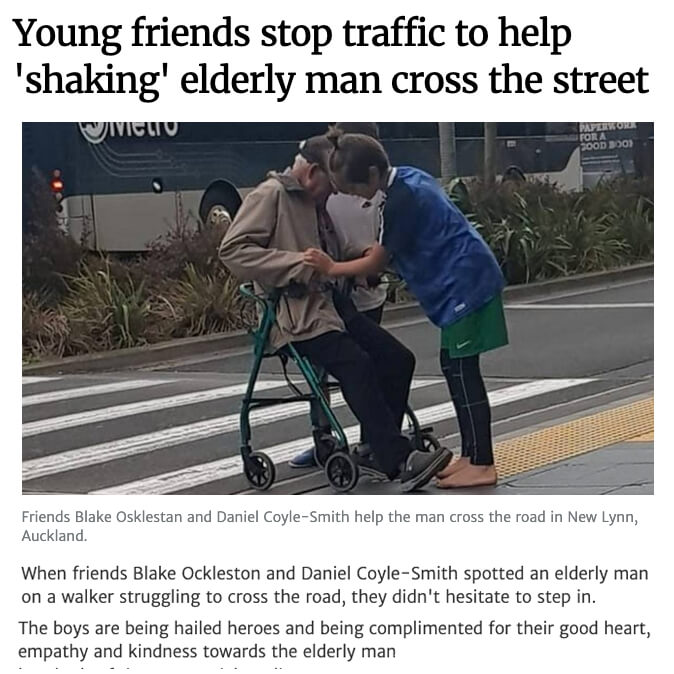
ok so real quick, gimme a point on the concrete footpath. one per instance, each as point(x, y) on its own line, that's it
point(607, 452)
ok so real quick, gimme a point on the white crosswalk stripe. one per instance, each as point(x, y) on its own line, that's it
point(201, 474)
point(86, 391)
point(576, 307)
point(131, 409)
point(170, 437)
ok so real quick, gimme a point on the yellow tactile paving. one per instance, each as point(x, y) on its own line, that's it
point(579, 436)
point(647, 437)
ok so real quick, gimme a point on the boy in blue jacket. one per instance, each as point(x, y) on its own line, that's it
point(449, 269)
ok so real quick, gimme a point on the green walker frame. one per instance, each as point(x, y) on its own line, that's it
point(331, 445)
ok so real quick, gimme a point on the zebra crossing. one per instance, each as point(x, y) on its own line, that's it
point(175, 433)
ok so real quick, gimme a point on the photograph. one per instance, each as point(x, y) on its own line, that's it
point(322, 308)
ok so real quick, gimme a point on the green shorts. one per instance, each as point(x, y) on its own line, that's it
point(483, 330)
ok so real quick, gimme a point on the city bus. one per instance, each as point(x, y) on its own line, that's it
point(121, 185)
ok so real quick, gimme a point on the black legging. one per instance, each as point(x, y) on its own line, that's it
point(473, 413)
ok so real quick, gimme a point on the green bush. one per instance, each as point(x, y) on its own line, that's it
point(77, 302)
point(204, 304)
point(48, 252)
point(635, 226)
point(45, 330)
point(538, 231)
point(105, 313)
point(184, 246)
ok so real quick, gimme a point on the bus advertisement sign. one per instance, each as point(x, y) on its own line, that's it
point(606, 149)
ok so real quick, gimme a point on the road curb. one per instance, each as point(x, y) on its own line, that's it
point(210, 344)
point(142, 355)
point(542, 289)
point(593, 281)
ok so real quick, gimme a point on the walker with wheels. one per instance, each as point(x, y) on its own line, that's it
point(331, 446)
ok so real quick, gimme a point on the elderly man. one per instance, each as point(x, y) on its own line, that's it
point(356, 225)
point(277, 222)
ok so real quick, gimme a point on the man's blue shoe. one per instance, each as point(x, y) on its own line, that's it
point(304, 460)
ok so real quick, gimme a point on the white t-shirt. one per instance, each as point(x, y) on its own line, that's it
point(357, 224)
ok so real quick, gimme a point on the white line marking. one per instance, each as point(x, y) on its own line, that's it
point(143, 407)
point(626, 305)
point(194, 476)
point(37, 380)
point(86, 391)
point(170, 437)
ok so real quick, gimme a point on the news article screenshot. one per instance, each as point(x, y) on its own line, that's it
point(252, 343)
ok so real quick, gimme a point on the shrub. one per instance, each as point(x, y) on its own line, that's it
point(203, 304)
point(48, 252)
point(618, 195)
point(635, 227)
point(182, 247)
point(104, 313)
point(45, 330)
point(539, 231)
point(78, 302)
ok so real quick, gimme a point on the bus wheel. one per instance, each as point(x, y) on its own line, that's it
point(219, 205)
point(514, 174)
point(218, 215)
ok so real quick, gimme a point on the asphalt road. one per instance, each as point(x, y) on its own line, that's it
point(174, 428)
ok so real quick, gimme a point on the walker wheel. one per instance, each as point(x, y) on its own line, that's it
point(341, 470)
point(325, 445)
point(260, 471)
point(429, 443)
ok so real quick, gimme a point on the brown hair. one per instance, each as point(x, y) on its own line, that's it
point(365, 128)
point(354, 154)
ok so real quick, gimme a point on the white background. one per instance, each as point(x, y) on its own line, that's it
point(622, 36)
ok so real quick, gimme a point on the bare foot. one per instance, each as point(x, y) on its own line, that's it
point(470, 476)
point(453, 467)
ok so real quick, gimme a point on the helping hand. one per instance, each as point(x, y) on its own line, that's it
point(319, 260)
